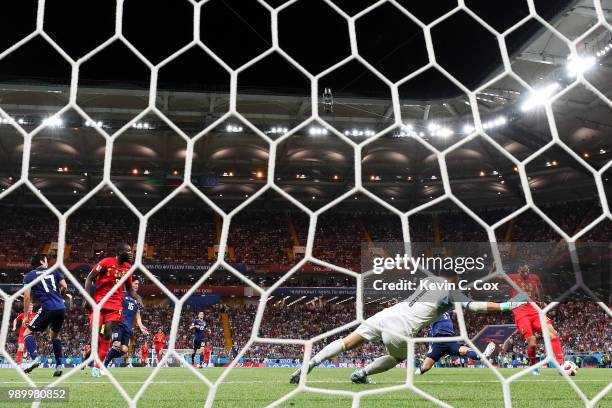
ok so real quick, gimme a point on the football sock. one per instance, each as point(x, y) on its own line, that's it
point(380, 365)
point(556, 346)
point(19, 357)
point(30, 343)
point(334, 348)
point(113, 352)
point(103, 347)
point(193, 356)
point(531, 355)
point(472, 354)
point(57, 351)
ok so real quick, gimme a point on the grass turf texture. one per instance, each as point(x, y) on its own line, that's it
point(255, 387)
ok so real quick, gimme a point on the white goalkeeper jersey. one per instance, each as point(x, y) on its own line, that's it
point(423, 307)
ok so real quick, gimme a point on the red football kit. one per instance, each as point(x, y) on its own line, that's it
point(160, 340)
point(207, 352)
point(109, 271)
point(526, 317)
point(144, 353)
point(19, 317)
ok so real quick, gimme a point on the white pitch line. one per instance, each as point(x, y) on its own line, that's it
point(560, 380)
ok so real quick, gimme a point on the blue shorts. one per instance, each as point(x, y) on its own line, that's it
point(198, 343)
point(439, 350)
point(47, 318)
point(121, 334)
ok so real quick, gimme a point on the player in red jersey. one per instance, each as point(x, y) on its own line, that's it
point(21, 340)
point(527, 319)
point(159, 340)
point(144, 354)
point(206, 355)
point(107, 274)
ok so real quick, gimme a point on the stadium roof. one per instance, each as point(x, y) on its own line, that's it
point(314, 165)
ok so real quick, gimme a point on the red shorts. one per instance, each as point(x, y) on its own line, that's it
point(527, 321)
point(144, 356)
point(206, 357)
point(158, 348)
point(106, 315)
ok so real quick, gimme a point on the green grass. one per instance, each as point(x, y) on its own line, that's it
point(255, 387)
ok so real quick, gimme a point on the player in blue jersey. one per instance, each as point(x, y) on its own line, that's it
point(48, 292)
point(443, 327)
point(130, 312)
point(198, 326)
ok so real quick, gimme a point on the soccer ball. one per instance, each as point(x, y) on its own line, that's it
point(569, 368)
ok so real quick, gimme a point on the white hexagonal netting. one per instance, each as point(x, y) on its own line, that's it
point(543, 97)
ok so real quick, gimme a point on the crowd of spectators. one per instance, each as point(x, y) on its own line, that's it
point(260, 238)
point(256, 238)
point(180, 235)
point(93, 232)
point(24, 230)
point(338, 239)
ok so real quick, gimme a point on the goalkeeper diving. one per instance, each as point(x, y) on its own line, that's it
point(402, 320)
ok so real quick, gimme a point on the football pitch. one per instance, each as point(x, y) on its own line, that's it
point(258, 387)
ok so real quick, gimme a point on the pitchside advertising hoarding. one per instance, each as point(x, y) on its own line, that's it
point(307, 291)
point(153, 267)
point(188, 267)
point(497, 334)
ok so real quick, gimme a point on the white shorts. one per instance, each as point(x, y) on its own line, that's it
point(378, 327)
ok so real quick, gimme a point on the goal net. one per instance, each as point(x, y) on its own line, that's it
point(471, 117)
